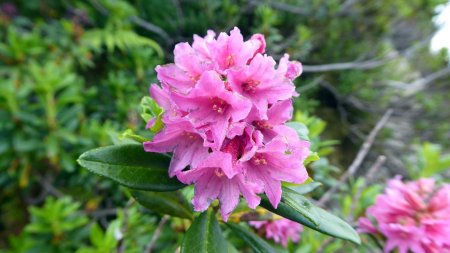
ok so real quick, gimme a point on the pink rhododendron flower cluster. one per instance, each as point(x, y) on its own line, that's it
point(225, 104)
point(281, 231)
point(411, 216)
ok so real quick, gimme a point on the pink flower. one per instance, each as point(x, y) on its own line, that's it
point(261, 83)
point(277, 114)
point(183, 140)
point(225, 108)
point(279, 160)
point(231, 51)
point(411, 216)
point(281, 231)
point(209, 103)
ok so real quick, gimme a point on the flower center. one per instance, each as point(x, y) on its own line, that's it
point(262, 124)
point(218, 105)
point(229, 61)
point(234, 147)
point(219, 172)
point(189, 135)
point(250, 86)
point(259, 159)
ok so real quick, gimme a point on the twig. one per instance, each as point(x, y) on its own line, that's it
point(282, 7)
point(102, 213)
point(124, 227)
point(359, 157)
point(156, 234)
point(370, 64)
point(368, 177)
point(151, 27)
point(421, 83)
point(341, 101)
point(377, 165)
point(49, 187)
point(316, 81)
point(135, 20)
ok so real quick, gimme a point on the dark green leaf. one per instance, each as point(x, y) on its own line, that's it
point(304, 212)
point(255, 242)
point(131, 166)
point(204, 236)
point(171, 203)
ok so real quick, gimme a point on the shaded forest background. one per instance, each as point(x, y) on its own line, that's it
point(72, 75)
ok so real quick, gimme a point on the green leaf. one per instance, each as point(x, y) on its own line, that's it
point(130, 134)
point(297, 208)
point(171, 203)
point(204, 236)
point(131, 166)
point(306, 188)
point(255, 242)
point(300, 128)
point(151, 110)
point(311, 158)
point(96, 235)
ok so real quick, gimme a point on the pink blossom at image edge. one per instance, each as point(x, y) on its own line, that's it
point(412, 216)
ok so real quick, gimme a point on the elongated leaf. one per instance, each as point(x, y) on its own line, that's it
point(255, 242)
point(306, 188)
point(311, 216)
point(204, 236)
point(131, 166)
point(300, 204)
point(171, 203)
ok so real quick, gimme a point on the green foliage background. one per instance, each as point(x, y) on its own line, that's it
point(72, 74)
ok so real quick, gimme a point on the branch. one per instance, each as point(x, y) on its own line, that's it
point(124, 227)
point(151, 27)
point(368, 177)
point(350, 65)
point(359, 157)
point(101, 213)
point(282, 7)
point(44, 181)
point(156, 234)
point(421, 83)
point(370, 64)
point(135, 20)
point(316, 81)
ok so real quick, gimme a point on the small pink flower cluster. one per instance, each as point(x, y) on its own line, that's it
point(279, 230)
point(225, 104)
point(411, 216)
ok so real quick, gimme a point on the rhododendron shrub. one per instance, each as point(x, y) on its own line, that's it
point(219, 117)
point(412, 216)
point(280, 231)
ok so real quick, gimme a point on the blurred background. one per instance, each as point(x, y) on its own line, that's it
point(73, 72)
